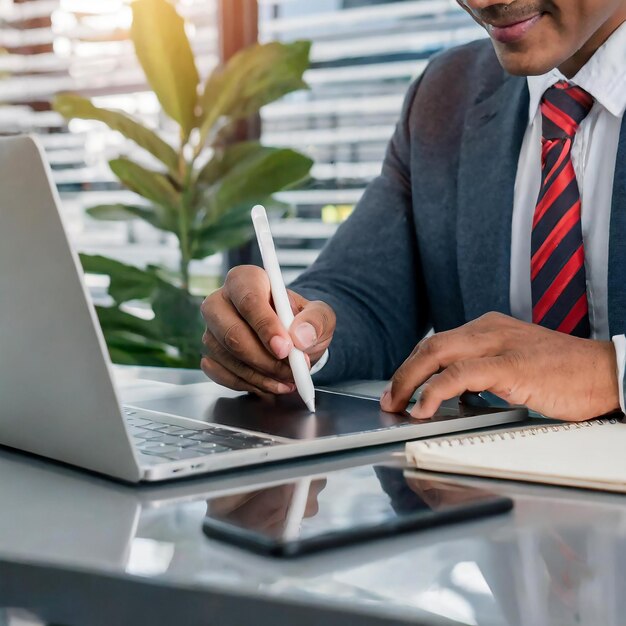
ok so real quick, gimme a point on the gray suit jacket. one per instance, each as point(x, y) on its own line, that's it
point(429, 244)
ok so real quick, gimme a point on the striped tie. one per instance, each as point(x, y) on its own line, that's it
point(558, 256)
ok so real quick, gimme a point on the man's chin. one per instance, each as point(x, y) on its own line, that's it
point(523, 63)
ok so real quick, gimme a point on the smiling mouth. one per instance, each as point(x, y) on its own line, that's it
point(513, 31)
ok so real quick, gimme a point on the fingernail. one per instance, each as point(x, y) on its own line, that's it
point(384, 399)
point(280, 346)
point(417, 412)
point(306, 334)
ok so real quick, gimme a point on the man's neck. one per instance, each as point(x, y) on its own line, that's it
point(572, 66)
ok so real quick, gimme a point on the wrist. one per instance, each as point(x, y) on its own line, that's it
point(611, 383)
point(619, 344)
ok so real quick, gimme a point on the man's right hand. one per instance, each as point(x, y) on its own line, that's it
point(246, 346)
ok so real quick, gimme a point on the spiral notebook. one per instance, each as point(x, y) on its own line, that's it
point(590, 455)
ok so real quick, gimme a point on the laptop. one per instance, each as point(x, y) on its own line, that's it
point(58, 396)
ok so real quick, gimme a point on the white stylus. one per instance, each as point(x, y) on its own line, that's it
point(297, 360)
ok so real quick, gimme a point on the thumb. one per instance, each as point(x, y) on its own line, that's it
point(313, 328)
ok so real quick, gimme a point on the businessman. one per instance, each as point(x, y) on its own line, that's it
point(499, 220)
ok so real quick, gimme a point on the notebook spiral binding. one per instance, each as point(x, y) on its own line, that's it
point(518, 433)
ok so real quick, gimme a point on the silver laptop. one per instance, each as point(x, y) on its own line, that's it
point(58, 398)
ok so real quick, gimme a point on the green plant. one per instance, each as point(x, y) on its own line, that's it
point(204, 186)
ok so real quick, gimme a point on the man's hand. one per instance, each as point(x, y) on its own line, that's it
point(560, 376)
point(266, 509)
point(247, 346)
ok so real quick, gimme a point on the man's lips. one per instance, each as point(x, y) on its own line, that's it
point(510, 33)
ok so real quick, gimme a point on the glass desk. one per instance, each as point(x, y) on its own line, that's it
point(79, 549)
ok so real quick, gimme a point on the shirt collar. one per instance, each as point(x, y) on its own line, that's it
point(603, 76)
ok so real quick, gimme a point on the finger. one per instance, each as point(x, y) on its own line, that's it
point(248, 288)
point(435, 353)
point(243, 371)
point(313, 327)
point(487, 374)
point(233, 333)
point(220, 375)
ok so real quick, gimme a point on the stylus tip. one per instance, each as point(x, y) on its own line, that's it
point(310, 404)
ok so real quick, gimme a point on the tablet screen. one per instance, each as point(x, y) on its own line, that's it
point(340, 507)
point(286, 416)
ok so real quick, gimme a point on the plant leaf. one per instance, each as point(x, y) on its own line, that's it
point(125, 212)
point(127, 282)
point(153, 186)
point(178, 314)
point(73, 106)
point(115, 320)
point(232, 230)
point(128, 349)
point(219, 238)
point(251, 180)
point(254, 77)
point(224, 160)
point(163, 49)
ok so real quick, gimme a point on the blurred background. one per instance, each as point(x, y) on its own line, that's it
point(364, 55)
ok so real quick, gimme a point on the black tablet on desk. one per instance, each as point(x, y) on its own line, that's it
point(342, 507)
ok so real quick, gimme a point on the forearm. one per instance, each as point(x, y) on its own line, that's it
point(370, 275)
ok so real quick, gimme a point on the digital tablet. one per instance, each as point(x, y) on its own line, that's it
point(342, 507)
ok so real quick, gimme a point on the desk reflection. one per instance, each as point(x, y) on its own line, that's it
point(266, 509)
point(559, 559)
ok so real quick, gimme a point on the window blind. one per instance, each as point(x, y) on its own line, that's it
point(365, 54)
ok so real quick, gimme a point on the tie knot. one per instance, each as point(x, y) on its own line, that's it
point(563, 107)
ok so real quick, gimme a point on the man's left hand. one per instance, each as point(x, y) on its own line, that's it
point(558, 375)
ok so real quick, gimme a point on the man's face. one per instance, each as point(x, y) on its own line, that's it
point(534, 36)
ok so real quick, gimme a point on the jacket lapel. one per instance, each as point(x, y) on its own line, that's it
point(617, 244)
point(493, 135)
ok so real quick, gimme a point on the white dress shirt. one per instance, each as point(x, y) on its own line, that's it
point(594, 156)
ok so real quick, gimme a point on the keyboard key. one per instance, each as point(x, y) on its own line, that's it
point(152, 425)
point(207, 451)
point(136, 431)
point(172, 440)
point(149, 435)
point(155, 455)
point(205, 436)
point(158, 449)
point(187, 432)
point(137, 421)
point(172, 430)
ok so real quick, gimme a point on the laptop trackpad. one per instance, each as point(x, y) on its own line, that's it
point(285, 416)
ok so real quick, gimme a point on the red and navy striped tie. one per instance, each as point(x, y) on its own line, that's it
point(558, 256)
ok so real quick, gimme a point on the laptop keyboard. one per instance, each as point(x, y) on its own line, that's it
point(175, 443)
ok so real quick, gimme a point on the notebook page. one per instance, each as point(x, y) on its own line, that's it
point(590, 454)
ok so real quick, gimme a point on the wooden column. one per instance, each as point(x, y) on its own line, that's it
point(239, 25)
point(238, 29)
